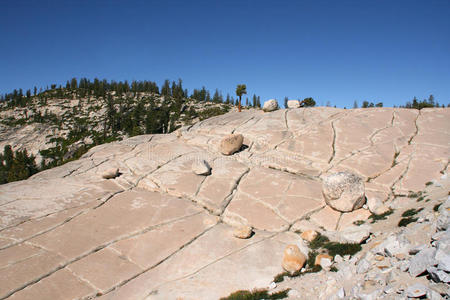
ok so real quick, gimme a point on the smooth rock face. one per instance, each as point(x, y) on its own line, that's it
point(111, 173)
point(293, 104)
point(293, 259)
point(160, 231)
point(231, 143)
point(201, 167)
point(270, 105)
point(343, 191)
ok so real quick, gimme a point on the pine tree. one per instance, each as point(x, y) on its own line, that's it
point(355, 104)
point(241, 89)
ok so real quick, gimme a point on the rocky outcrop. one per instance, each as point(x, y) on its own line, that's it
point(343, 191)
point(67, 231)
point(293, 104)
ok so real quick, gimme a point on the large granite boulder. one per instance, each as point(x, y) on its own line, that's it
point(293, 104)
point(343, 191)
point(270, 105)
point(231, 143)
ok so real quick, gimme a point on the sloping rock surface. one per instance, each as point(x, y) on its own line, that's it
point(159, 231)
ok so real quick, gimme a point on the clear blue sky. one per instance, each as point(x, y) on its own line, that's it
point(337, 51)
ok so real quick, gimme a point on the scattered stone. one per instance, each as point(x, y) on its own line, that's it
point(309, 235)
point(201, 167)
point(416, 290)
point(111, 173)
point(270, 105)
point(343, 191)
point(340, 293)
point(321, 257)
point(438, 275)
point(375, 206)
point(243, 232)
point(231, 143)
point(293, 259)
point(272, 285)
point(421, 261)
point(363, 266)
point(293, 104)
point(443, 254)
point(356, 234)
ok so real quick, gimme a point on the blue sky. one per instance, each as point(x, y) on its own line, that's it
point(337, 51)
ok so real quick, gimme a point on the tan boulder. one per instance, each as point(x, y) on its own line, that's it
point(343, 191)
point(243, 232)
point(110, 173)
point(293, 259)
point(270, 105)
point(309, 235)
point(231, 144)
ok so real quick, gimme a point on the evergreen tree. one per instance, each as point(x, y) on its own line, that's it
point(355, 104)
point(286, 99)
point(241, 89)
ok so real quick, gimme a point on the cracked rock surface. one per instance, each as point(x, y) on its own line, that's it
point(160, 231)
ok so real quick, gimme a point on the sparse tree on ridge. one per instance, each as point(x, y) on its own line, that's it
point(355, 104)
point(241, 89)
point(286, 102)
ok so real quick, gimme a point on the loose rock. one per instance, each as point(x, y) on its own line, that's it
point(309, 235)
point(321, 257)
point(270, 105)
point(416, 290)
point(293, 104)
point(243, 232)
point(343, 191)
point(111, 173)
point(293, 259)
point(201, 167)
point(421, 261)
point(231, 143)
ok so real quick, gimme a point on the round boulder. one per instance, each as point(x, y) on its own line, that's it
point(270, 105)
point(293, 104)
point(231, 144)
point(343, 191)
point(293, 259)
point(111, 173)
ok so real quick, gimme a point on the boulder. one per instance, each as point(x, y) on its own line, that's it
point(343, 191)
point(309, 235)
point(201, 167)
point(293, 259)
point(231, 143)
point(320, 257)
point(111, 173)
point(376, 206)
point(293, 104)
point(355, 234)
point(421, 261)
point(417, 290)
point(243, 232)
point(270, 105)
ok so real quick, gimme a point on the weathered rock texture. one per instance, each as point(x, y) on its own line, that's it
point(343, 191)
point(231, 143)
point(270, 105)
point(159, 231)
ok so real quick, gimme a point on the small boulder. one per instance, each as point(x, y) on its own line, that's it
point(243, 232)
point(201, 167)
point(293, 259)
point(270, 105)
point(321, 258)
point(421, 261)
point(293, 104)
point(376, 206)
point(231, 143)
point(309, 235)
point(111, 173)
point(417, 290)
point(355, 234)
point(343, 191)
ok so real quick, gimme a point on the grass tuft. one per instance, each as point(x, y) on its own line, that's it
point(411, 212)
point(359, 222)
point(429, 183)
point(382, 216)
point(256, 295)
point(405, 221)
point(436, 207)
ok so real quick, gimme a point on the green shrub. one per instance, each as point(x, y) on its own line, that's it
point(382, 216)
point(256, 295)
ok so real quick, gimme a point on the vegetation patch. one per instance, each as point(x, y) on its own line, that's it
point(374, 217)
point(359, 222)
point(342, 249)
point(412, 194)
point(429, 183)
point(411, 212)
point(405, 221)
point(256, 295)
point(436, 207)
